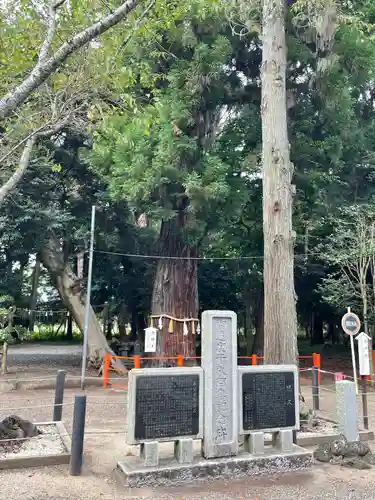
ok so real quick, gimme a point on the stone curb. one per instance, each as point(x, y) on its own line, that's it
point(42, 460)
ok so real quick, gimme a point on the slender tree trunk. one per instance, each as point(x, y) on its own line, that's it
point(175, 291)
point(69, 326)
point(141, 326)
point(134, 325)
point(365, 321)
point(18, 174)
point(317, 330)
point(34, 294)
point(66, 283)
point(280, 318)
point(105, 319)
point(122, 323)
point(249, 329)
point(258, 345)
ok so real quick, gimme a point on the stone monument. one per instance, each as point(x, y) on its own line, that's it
point(269, 399)
point(165, 404)
point(203, 411)
point(219, 362)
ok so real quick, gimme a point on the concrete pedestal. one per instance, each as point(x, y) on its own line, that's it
point(171, 473)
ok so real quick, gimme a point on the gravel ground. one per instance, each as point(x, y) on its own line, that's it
point(105, 445)
point(321, 484)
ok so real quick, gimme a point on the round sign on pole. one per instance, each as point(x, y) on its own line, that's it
point(350, 323)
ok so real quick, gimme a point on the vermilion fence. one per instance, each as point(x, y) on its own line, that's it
point(136, 362)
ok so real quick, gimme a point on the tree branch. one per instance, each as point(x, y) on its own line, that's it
point(26, 156)
point(20, 171)
point(35, 132)
point(52, 10)
point(46, 67)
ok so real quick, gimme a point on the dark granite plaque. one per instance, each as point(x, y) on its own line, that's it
point(268, 400)
point(166, 406)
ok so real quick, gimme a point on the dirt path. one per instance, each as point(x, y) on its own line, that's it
point(105, 445)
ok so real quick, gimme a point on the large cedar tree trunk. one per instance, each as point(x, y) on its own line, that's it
point(69, 288)
point(280, 318)
point(175, 291)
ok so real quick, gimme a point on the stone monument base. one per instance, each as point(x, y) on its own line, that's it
point(170, 473)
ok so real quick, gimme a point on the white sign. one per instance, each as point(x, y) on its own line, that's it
point(350, 323)
point(150, 339)
point(363, 353)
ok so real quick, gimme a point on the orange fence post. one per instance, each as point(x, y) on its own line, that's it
point(317, 362)
point(180, 360)
point(137, 361)
point(107, 364)
point(253, 359)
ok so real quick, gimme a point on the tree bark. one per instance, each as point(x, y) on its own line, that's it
point(175, 290)
point(66, 283)
point(34, 294)
point(280, 317)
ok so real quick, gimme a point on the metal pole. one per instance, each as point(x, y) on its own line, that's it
point(59, 396)
point(88, 296)
point(78, 434)
point(315, 388)
point(354, 363)
point(364, 402)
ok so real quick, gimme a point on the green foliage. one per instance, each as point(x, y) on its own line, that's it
point(165, 156)
point(174, 116)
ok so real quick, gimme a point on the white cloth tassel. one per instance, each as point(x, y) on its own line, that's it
point(160, 323)
point(198, 328)
point(186, 331)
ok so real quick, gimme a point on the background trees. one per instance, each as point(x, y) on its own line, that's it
point(165, 138)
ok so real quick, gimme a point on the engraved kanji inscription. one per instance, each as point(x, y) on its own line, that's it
point(268, 400)
point(222, 382)
point(166, 406)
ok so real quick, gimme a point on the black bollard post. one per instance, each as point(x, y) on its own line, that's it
point(59, 395)
point(78, 435)
point(315, 388)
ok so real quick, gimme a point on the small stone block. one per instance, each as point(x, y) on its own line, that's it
point(150, 453)
point(346, 406)
point(254, 443)
point(184, 451)
point(283, 441)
